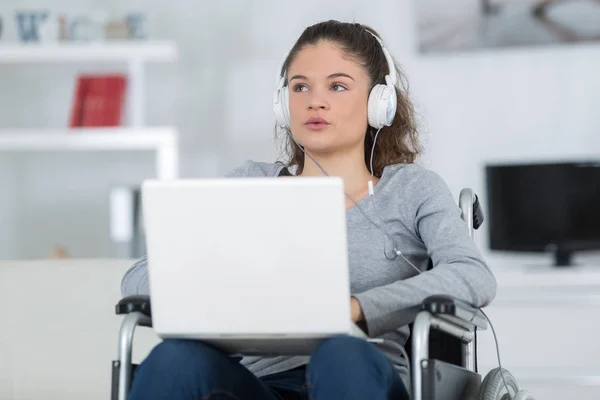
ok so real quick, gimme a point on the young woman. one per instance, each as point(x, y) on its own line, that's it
point(343, 111)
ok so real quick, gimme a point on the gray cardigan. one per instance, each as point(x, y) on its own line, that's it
point(417, 208)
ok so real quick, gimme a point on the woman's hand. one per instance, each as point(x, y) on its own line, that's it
point(355, 310)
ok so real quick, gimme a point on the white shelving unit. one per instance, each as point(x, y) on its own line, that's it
point(135, 54)
point(161, 140)
point(113, 51)
point(136, 136)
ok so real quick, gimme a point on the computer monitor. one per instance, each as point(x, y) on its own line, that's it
point(544, 207)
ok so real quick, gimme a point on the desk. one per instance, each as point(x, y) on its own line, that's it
point(547, 321)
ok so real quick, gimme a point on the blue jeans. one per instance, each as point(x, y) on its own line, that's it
point(340, 368)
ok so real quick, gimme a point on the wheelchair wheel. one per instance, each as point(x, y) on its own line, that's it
point(493, 388)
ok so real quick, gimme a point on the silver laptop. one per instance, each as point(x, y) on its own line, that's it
point(250, 265)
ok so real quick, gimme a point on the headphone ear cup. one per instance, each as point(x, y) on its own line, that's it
point(381, 106)
point(281, 107)
point(372, 106)
point(285, 105)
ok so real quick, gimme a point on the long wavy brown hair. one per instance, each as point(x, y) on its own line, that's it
point(396, 144)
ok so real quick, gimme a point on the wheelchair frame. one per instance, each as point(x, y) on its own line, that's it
point(431, 379)
point(462, 323)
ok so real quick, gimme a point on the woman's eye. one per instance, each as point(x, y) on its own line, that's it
point(338, 88)
point(299, 87)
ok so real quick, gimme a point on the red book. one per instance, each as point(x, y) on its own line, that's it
point(98, 100)
point(77, 108)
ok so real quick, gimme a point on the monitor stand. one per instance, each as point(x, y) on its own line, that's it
point(563, 258)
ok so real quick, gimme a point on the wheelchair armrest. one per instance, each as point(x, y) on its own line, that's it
point(456, 311)
point(472, 212)
point(130, 304)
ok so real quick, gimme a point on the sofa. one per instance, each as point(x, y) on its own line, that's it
point(58, 328)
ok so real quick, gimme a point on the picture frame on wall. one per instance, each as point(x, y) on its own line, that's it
point(445, 26)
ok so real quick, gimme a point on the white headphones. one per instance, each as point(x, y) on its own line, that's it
point(382, 98)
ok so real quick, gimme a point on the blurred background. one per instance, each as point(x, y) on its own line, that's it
point(207, 73)
point(450, 25)
point(96, 96)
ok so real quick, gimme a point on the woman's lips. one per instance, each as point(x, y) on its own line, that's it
point(316, 126)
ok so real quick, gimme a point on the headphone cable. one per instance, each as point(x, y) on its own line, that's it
point(396, 251)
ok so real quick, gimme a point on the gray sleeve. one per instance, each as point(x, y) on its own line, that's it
point(135, 280)
point(458, 266)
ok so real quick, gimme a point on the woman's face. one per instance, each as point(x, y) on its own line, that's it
point(328, 95)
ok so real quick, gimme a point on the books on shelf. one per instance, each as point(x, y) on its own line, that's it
point(98, 100)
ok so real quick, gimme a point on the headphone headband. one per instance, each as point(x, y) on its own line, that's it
point(388, 58)
point(280, 69)
point(391, 67)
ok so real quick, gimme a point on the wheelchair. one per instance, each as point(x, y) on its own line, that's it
point(442, 349)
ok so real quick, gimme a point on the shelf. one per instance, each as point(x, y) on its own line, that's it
point(162, 140)
point(579, 376)
point(106, 51)
point(86, 139)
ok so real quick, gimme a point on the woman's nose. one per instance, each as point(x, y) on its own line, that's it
point(318, 101)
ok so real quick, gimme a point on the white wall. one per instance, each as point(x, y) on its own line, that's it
point(511, 104)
